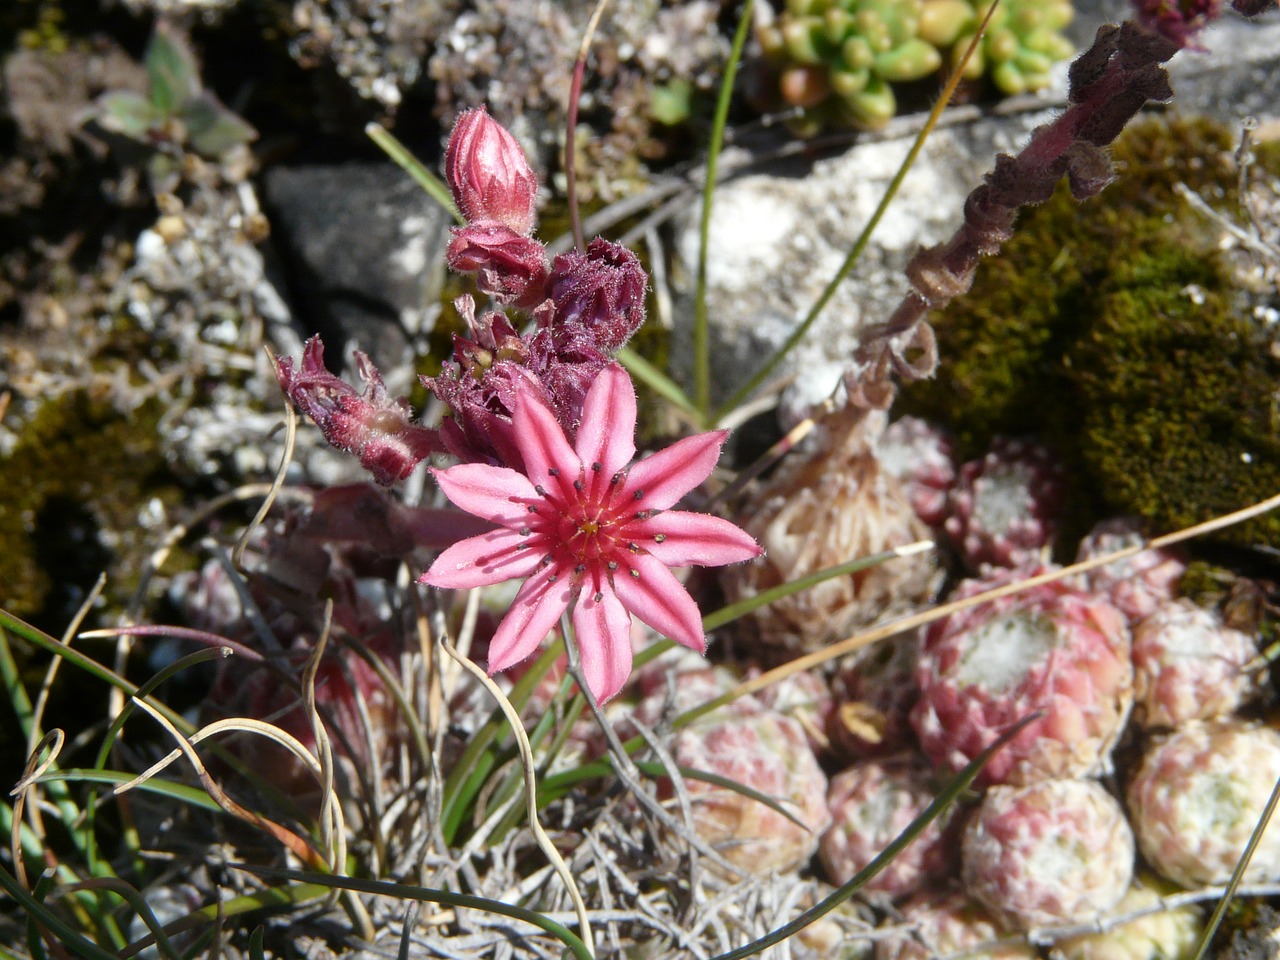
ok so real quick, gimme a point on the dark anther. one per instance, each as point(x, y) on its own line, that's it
point(638, 495)
point(553, 471)
point(597, 467)
point(580, 568)
point(597, 597)
point(659, 537)
point(539, 491)
point(524, 531)
point(612, 565)
point(578, 485)
point(635, 573)
point(633, 548)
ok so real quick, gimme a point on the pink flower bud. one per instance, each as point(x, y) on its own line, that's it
point(602, 290)
point(488, 173)
point(510, 268)
point(371, 425)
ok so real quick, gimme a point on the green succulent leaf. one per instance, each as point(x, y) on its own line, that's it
point(212, 129)
point(671, 103)
point(126, 113)
point(171, 67)
point(912, 60)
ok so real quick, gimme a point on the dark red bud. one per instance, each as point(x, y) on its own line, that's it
point(510, 268)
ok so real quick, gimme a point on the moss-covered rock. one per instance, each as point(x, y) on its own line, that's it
point(1113, 330)
point(70, 495)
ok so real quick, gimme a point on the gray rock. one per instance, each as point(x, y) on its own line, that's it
point(365, 246)
point(777, 239)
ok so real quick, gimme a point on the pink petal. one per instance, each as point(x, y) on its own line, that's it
point(693, 538)
point(488, 492)
point(602, 630)
point(544, 446)
point(660, 600)
point(607, 433)
point(532, 616)
point(479, 561)
point(669, 474)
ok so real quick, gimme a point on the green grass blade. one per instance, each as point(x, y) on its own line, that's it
point(397, 151)
point(735, 610)
point(402, 891)
point(165, 788)
point(657, 381)
point(854, 255)
point(39, 913)
point(701, 333)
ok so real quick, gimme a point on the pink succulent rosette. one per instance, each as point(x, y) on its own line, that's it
point(1136, 585)
point(589, 532)
point(767, 752)
point(942, 924)
point(871, 803)
point(1049, 853)
point(1197, 797)
point(1004, 508)
point(1052, 649)
point(919, 455)
point(1189, 665)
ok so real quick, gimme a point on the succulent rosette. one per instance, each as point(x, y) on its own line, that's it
point(1052, 649)
point(874, 693)
point(770, 754)
point(1052, 852)
point(1197, 797)
point(938, 924)
point(823, 508)
point(871, 804)
point(1189, 665)
point(805, 698)
point(919, 455)
point(1168, 934)
point(1005, 506)
point(1136, 584)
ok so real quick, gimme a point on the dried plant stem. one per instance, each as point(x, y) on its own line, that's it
point(571, 127)
point(52, 741)
point(286, 457)
point(298, 846)
point(629, 773)
point(860, 640)
point(531, 790)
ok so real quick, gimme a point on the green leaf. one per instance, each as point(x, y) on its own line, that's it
point(671, 103)
point(212, 129)
point(171, 67)
point(126, 113)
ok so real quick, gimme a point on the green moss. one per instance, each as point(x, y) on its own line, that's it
point(80, 468)
point(1111, 330)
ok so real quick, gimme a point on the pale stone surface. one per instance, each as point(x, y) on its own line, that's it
point(777, 238)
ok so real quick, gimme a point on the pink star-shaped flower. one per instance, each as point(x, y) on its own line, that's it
point(587, 531)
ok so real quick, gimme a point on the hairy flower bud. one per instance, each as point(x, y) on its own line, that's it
point(488, 173)
point(601, 290)
point(371, 425)
point(511, 268)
